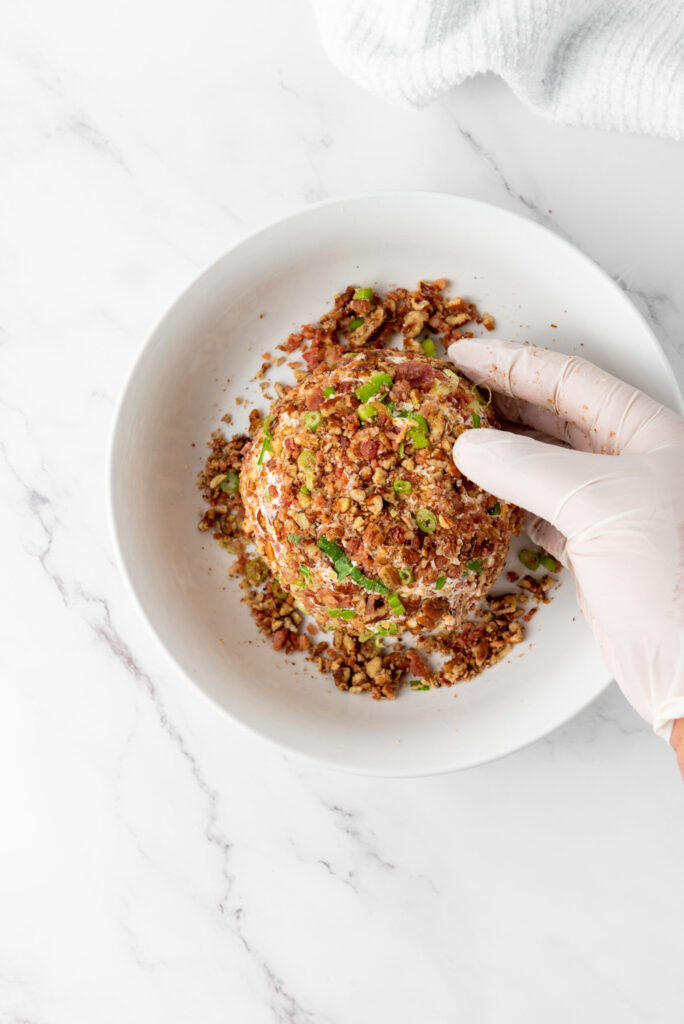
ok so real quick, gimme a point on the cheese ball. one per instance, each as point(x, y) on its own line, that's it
point(352, 497)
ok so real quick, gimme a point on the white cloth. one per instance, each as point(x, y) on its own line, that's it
point(598, 63)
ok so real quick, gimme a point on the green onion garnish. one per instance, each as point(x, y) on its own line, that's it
point(476, 419)
point(405, 575)
point(550, 563)
point(306, 461)
point(312, 420)
point(364, 293)
point(342, 613)
point(293, 538)
point(401, 450)
point(419, 440)
point(439, 582)
point(377, 381)
point(394, 601)
point(428, 346)
point(231, 483)
point(328, 391)
point(402, 486)
point(418, 684)
point(255, 570)
point(344, 567)
point(268, 437)
point(495, 510)
point(388, 630)
point(475, 565)
point(418, 434)
point(306, 572)
point(426, 520)
point(367, 412)
point(531, 559)
point(356, 322)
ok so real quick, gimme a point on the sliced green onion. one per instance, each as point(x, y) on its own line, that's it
point(268, 437)
point(390, 629)
point(439, 582)
point(368, 584)
point(450, 373)
point(367, 412)
point(371, 387)
point(401, 450)
point(342, 613)
point(356, 322)
point(231, 483)
point(420, 421)
point(328, 547)
point(306, 572)
point(531, 559)
point(364, 293)
point(550, 563)
point(365, 636)
point(328, 391)
point(495, 510)
point(428, 346)
point(426, 520)
point(475, 565)
point(293, 538)
point(389, 406)
point(402, 486)
point(394, 601)
point(476, 419)
point(419, 439)
point(312, 420)
point(344, 567)
point(306, 461)
point(418, 684)
point(405, 575)
point(255, 570)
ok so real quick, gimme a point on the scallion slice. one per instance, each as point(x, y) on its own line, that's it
point(439, 582)
point(402, 486)
point(495, 510)
point(371, 387)
point(306, 460)
point(405, 575)
point(418, 684)
point(342, 613)
point(394, 601)
point(428, 346)
point(356, 323)
point(268, 437)
point(328, 391)
point(312, 420)
point(476, 419)
point(426, 520)
point(367, 412)
point(530, 559)
point(364, 294)
point(232, 482)
point(475, 565)
point(550, 563)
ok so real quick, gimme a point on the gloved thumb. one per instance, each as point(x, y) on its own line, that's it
point(539, 477)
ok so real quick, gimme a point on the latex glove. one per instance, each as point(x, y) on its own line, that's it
point(612, 511)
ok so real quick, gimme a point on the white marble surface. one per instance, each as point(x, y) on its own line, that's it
point(156, 864)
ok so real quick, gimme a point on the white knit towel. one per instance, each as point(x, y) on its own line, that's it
point(601, 63)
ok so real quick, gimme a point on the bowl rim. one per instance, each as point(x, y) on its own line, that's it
point(283, 745)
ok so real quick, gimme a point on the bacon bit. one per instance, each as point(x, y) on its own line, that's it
point(417, 374)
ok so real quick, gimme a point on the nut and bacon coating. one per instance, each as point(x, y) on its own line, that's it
point(353, 499)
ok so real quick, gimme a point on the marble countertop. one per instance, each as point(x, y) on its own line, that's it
point(156, 863)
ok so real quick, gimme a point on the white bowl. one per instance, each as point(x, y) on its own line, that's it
point(537, 286)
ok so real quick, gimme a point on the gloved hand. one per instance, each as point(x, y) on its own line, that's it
point(612, 510)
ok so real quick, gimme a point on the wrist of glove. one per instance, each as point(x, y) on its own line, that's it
point(609, 506)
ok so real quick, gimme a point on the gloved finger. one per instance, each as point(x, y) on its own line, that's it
point(615, 416)
point(542, 478)
point(547, 537)
point(543, 420)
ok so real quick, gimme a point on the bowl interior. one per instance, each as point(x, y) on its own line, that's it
point(202, 357)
